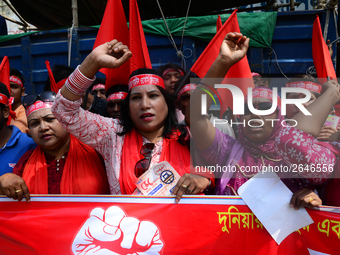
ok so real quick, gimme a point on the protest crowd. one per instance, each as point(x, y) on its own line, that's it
point(83, 135)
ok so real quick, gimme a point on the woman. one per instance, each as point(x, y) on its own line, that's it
point(255, 147)
point(59, 165)
point(148, 134)
point(317, 161)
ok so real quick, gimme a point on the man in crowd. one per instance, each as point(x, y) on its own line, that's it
point(171, 74)
point(17, 82)
point(115, 96)
point(13, 143)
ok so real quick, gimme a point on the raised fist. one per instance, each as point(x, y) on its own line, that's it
point(112, 232)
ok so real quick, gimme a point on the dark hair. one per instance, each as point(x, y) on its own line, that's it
point(18, 74)
point(170, 123)
point(3, 90)
point(116, 88)
point(60, 72)
point(305, 77)
point(161, 69)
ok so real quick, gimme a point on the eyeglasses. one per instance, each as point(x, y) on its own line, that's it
point(143, 164)
point(260, 106)
point(46, 96)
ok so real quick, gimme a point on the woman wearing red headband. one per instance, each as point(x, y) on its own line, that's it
point(148, 134)
point(318, 161)
point(241, 159)
point(59, 165)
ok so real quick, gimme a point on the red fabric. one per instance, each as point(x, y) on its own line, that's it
point(332, 191)
point(114, 26)
point(53, 85)
point(218, 23)
point(176, 154)
point(54, 176)
point(137, 44)
point(198, 225)
point(239, 70)
point(4, 78)
point(83, 173)
point(321, 57)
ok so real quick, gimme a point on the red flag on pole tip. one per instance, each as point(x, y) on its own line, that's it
point(114, 26)
point(53, 84)
point(218, 23)
point(4, 78)
point(137, 44)
point(240, 70)
point(322, 59)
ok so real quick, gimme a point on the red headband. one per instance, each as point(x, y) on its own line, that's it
point(117, 95)
point(5, 100)
point(261, 92)
point(16, 80)
point(254, 74)
point(186, 88)
point(38, 105)
point(145, 79)
point(172, 70)
point(98, 86)
point(309, 85)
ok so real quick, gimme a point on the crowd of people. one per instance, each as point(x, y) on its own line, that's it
point(87, 139)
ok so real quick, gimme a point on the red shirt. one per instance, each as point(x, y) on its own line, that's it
point(54, 167)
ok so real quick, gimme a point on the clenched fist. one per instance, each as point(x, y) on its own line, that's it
point(113, 232)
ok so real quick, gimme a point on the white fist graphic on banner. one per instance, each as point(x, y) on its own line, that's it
point(113, 232)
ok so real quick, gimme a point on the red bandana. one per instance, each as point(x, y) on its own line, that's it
point(172, 70)
point(38, 105)
point(117, 95)
point(186, 88)
point(261, 92)
point(255, 74)
point(145, 79)
point(16, 80)
point(5, 100)
point(98, 86)
point(311, 86)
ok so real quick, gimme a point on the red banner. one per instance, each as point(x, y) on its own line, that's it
point(153, 225)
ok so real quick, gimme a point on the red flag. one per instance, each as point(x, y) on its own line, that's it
point(218, 23)
point(114, 26)
point(4, 78)
point(4, 73)
point(137, 44)
point(239, 70)
point(53, 84)
point(321, 58)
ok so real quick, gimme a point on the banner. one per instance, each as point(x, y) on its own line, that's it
point(153, 225)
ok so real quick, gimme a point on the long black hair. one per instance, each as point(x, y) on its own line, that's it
point(170, 123)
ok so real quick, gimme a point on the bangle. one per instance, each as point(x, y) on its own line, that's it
point(77, 83)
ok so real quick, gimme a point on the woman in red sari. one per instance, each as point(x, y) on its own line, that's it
point(59, 165)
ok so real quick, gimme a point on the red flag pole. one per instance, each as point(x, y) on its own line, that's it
point(137, 43)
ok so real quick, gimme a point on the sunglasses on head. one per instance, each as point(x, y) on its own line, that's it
point(260, 106)
point(143, 164)
point(46, 96)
